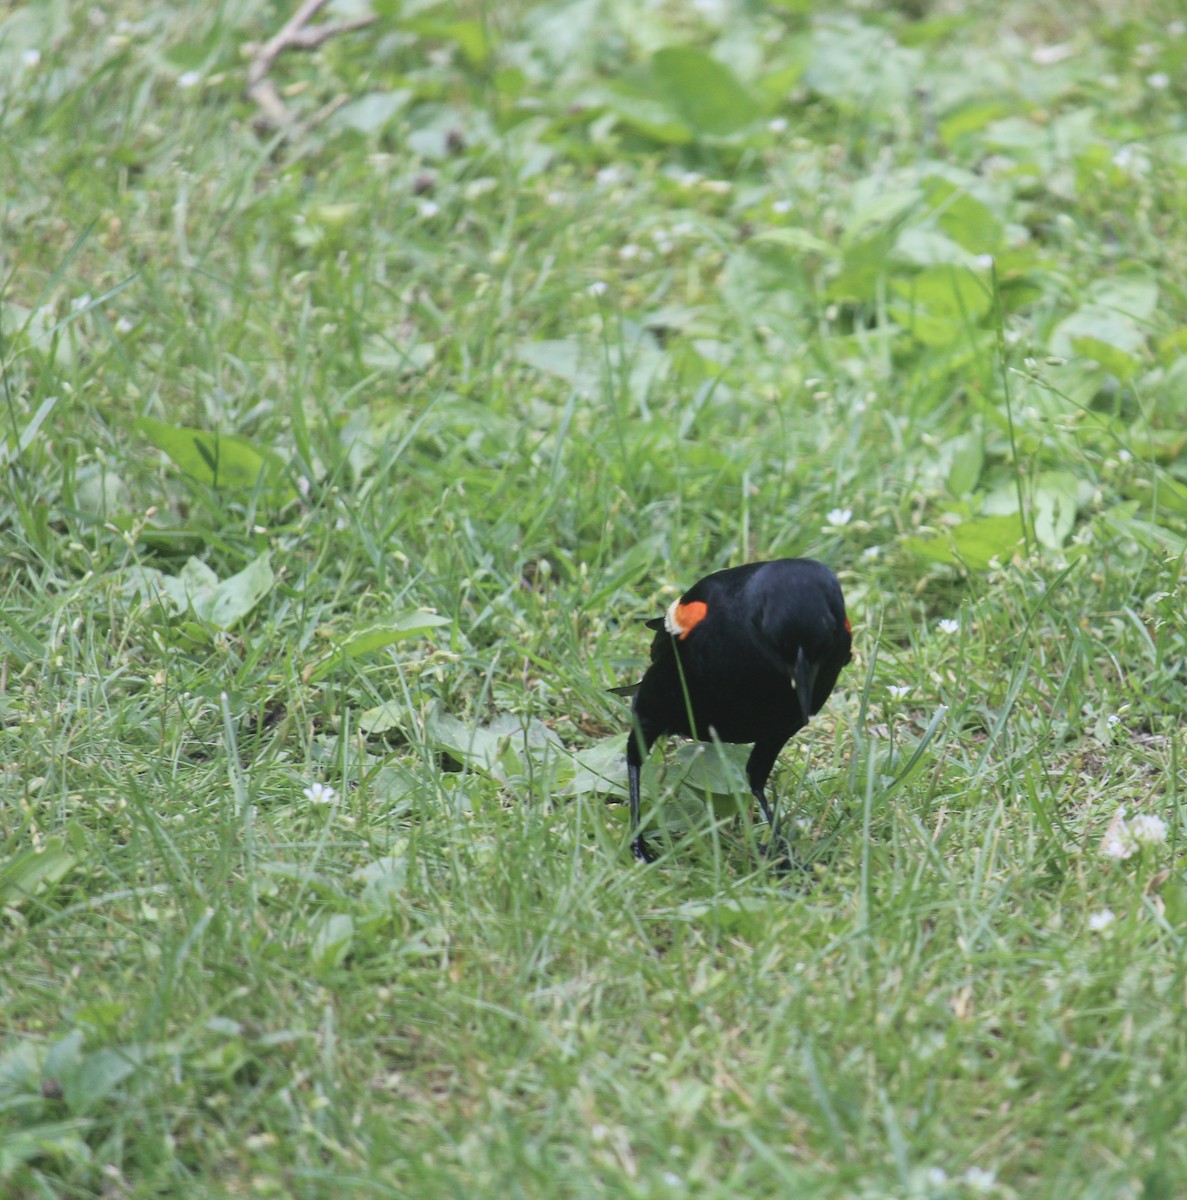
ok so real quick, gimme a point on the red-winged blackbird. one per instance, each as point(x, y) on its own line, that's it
point(746, 655)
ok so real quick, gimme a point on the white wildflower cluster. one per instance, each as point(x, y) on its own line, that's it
point(1128, 835)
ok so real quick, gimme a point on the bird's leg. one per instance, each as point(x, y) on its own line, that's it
point(758, 770)
point(636, 750)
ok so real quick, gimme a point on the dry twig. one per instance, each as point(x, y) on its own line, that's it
point(296, 34)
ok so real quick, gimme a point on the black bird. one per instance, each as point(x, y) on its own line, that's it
point(748, 654)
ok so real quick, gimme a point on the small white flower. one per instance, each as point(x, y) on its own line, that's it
point(1099, 921)
point(1159, 81)
point(80, 302)
point(609, 176)
point(1147, 829)
point(1126, 836)
point(984, 261)
point(936, 1176)
point(871, 552)
point(124, 325)
point(189, 79)
point(629, 251)
point(781, 207)
point(1113, 719)
point(839, 516)
point(428, 209)
point(321, 793)
point(948, 625)
point(898, 691)
point(978, 1179)
point(599, 287)
point(683, 229)
point(778, 124)
point(31, 58)
point(1119, 844)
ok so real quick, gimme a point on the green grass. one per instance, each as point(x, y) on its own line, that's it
point(447, 391)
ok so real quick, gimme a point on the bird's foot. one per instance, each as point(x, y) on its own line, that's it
point(783, 858)
point(642, 851)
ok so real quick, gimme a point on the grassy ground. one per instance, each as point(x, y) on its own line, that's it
point(338, 469)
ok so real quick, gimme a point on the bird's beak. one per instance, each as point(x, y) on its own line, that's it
point(803, 675)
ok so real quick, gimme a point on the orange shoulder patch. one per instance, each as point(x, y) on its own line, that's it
point(682, 619)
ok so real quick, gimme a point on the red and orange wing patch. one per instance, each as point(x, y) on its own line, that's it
point(682, 619)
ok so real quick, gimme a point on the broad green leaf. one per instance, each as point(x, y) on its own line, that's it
point(100, 492)
point(1133, 295)
point(21, 1070)
point(600, 769)
point(718, 769)
point(234, 598)
point(1058, 496)
point(333, 939)
point(64, 1054)
point(919, 247)
point(638, 105)
point(217, 460)
point(97, 1076)
point(1148, 534)
point(968, 457)
point(1169, 493)
point(876, 208)
point(500, 748)
point(33, 870)
point(863, 268)
point(1024, 140)
point(469, 36)
point(384, 717)
point(971, 118)
point(941, 304)
point(358, 645)
point(383, 879)
point(1103, 335)
point(49, 1140)
point(860, 68)
point(197, 590)
point(797, 239)
point(564, 358)
point(968, 221)
point(703, 93)
point(974, 543)
point(372, 112)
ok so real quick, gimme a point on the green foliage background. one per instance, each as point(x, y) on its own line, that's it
point(350, 453)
